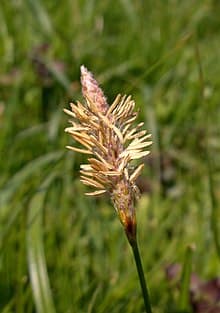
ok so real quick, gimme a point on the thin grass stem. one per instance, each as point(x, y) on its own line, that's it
point(141, 276)
point(214, 209)
point(185, 279)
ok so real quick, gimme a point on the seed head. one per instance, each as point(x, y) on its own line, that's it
point(109, 137)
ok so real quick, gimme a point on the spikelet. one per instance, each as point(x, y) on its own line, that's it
point(91, 90)
point(108, 134)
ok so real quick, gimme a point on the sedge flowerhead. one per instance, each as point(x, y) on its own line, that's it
point(109, 137)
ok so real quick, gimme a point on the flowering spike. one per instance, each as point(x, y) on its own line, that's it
point(107, 133)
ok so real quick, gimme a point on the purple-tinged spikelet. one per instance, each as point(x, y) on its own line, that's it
point(92, 91)
point(109, 137)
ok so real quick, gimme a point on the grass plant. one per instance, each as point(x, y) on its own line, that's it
point(54, 241)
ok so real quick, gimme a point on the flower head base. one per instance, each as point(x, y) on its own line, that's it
point(108, 135)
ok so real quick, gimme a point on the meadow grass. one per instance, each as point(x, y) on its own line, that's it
point(61, 251)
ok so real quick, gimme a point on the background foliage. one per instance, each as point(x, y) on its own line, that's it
point(59, 250)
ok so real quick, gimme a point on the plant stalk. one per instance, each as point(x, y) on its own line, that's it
point(140, 271)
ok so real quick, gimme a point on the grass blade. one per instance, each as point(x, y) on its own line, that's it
point(19, 178)
point(185, 279)
point(41, 16)
point(36, 257)
point(214, 209)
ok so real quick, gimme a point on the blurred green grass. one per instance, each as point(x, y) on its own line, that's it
point(59, 250)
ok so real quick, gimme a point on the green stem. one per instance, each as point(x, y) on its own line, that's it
point(185, 279)
point(142, 280)
point(214, 208)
